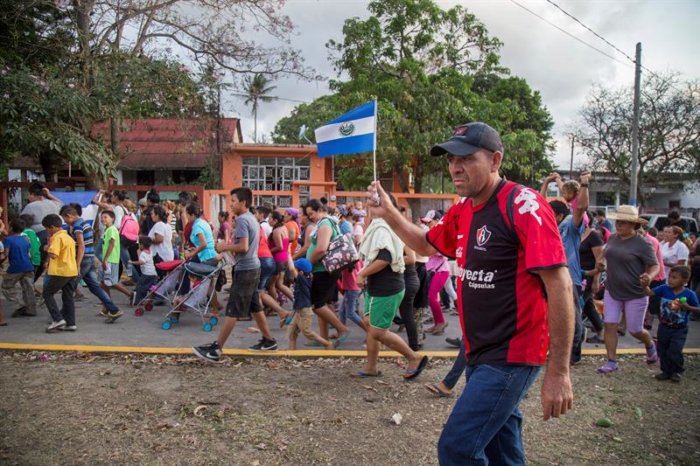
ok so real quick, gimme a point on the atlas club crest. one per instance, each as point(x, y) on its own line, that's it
point(482, 236)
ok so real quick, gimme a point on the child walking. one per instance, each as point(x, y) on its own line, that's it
point(110, 261)
point(303, 314)
point(20, 272)
point(148, 275)
point(351, 295)
point(677, 302)
point(61, 273)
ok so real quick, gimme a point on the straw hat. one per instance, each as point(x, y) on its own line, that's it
point(627, 213)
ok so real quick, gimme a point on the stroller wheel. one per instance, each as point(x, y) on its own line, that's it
point(214, 320)
point(167, 325)
point(207, 327)
point(138, 311)
point(148, 306)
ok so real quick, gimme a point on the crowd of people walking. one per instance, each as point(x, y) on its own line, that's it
point(527, 278)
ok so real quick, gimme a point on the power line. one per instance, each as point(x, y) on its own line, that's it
point(606, 41)
point(568, 33)
point(589, 29)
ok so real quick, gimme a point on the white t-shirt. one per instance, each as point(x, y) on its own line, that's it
point(673, 254)
point(164, 249)
point(119, 212)
point(267, 228)
point(147, 268)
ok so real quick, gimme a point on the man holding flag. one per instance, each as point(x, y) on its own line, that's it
point(514, 297)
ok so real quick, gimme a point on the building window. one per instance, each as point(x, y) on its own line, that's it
point(185, 176)
point(145, 177)
point(275, 174)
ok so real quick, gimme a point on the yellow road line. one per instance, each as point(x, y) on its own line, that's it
point(321, 353)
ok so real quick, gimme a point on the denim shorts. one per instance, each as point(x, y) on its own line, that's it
point(244, 294)
point(267, 270)
point(109, 277)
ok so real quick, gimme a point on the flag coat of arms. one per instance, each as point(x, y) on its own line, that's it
point(349, 133)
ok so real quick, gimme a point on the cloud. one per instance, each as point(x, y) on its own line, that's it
point(558, 66)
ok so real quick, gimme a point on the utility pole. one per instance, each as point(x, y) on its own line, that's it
point(571, 164)
point(635, 124)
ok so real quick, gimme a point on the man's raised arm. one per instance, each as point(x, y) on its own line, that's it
point(411, 234)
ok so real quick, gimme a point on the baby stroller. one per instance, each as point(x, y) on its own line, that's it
point(200, 296)
point(166, 288)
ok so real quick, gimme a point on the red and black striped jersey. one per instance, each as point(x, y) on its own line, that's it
point(502, 303)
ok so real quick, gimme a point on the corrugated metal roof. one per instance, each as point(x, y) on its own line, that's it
point(160, 143)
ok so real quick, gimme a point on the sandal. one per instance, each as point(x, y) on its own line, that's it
point(363, 375)
point(607, 368)
point(342, 338)
point(435, 389)
point(413, 373)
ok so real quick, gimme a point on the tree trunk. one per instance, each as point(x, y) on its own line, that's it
point(114, 124)
point(50, 163)
point(83, 9)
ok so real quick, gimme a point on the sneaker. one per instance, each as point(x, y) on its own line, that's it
point(675, 377)
point(209, 353)
point(607, 368)
point(662, 376)
point(103, 312)
point(453, 341)
point(55, 326)
point(595, 339)
point(69, 328)
point(264, 345)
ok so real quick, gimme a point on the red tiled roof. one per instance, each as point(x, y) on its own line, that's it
point(161, 143)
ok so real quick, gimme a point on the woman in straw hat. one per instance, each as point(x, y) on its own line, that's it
point(629, 258)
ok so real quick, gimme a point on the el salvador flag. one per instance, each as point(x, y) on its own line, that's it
point(350, 133)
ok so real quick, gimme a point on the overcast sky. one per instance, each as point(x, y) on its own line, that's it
point(558, 66)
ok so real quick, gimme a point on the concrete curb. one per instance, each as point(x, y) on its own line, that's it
point(281, 353)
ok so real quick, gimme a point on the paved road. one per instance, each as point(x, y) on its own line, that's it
point(146, 330)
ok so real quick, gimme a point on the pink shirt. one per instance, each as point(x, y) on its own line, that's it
point(657, 250)
point(348, 278)
point(437, 263)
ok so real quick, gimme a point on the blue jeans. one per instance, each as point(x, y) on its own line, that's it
point(485, 425)
point(89, 275)
point(458, 367)
point(348, 309)
point(670, 343)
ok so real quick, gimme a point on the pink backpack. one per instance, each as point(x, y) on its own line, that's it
point(129, 228)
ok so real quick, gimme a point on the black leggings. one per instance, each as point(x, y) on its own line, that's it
point(589, 309)
point(421, 299)
point(406, 309)
point(43, 237)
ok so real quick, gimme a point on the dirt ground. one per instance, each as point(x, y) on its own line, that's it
point(68, 408)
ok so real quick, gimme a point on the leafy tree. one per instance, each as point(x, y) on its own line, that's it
point(431, 70)
point(102, 58)
point(257, 89)
point(669, 135)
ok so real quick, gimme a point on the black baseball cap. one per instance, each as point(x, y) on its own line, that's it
point(468, 139)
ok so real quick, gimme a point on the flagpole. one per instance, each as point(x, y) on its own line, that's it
point(374, 152)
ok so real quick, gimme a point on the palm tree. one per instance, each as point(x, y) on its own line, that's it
point(257, 89)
